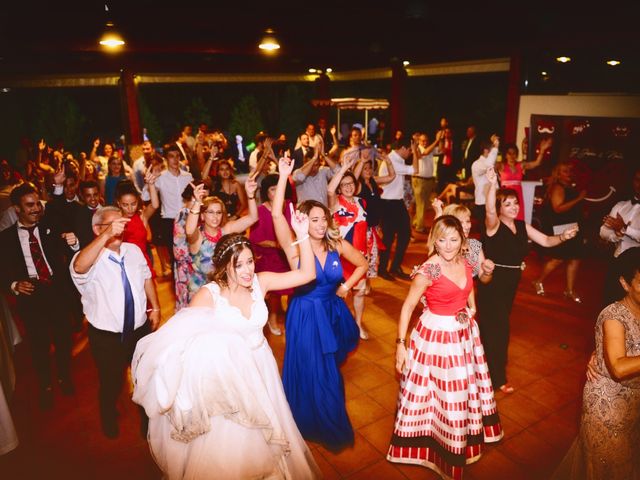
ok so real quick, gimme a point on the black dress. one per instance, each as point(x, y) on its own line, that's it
point(495, 299)
point(571, 249)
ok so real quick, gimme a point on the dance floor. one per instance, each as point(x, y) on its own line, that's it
point(551, 340)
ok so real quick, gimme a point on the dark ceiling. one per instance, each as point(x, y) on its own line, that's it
point(222, 37)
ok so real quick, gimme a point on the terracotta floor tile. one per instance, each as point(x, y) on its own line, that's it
point(548, 394)
point(529, 450)
point(379, 433)
point(363, 410)
point(379, 470)
point(350, 460)
point(376, 348)
point(496, 465)
point(369, 377)
point(509, 426)
point(522, 409)
point(328, 472)
point(556, 433)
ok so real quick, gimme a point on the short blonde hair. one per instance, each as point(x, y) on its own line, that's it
point(443, 225)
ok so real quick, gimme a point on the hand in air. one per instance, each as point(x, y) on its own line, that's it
point(492, 176)
point(117, 226)
point(299, 222)
point(285, 166)
point(199, 192)
point(250, 186)
point(438, 206)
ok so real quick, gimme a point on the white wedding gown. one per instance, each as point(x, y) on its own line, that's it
point(212, 390)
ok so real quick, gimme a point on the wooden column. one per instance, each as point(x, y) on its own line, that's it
point(130, 108)
point(398, 81)
point(513, 99)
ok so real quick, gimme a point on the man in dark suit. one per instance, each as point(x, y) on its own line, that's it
point(303, 152)
point(240, 155)
point(470, 151)
point(34, 270)
point(80, 214)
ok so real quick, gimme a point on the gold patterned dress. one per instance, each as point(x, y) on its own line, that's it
point(609, 437)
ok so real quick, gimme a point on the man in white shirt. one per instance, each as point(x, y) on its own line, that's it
point(395, 218)
point(479, 171)
point(115, 283)
point(621, 227)
point(170, 184)
point(424, 180)
point(312, 179)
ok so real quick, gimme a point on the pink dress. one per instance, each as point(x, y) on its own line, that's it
point(511, 177)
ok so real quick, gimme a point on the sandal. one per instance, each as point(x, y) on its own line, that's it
point(538, 287)
point(507, 389)
point(274, 330)
point(363, 334)
point(572, 296)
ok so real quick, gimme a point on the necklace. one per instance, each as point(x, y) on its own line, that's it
point(635, 310)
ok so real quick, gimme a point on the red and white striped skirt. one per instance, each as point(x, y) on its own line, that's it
point(446, 408)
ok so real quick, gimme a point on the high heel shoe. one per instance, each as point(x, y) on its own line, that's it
point(539, 288)
point(572, 296)
point(274, 330)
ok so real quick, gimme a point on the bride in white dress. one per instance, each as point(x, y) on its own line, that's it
point(210, 384)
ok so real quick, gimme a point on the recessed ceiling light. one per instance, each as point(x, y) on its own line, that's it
point(269, 42)
point(613, 63)
point(405, 63)
point(544, 74)
point(312, 70)
point(563, 59)
point(5, 90)
point(329, 70)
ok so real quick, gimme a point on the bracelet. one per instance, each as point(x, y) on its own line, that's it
point(345, 287)
point(252, 198)
point(194, 213)
point(293, 244)
point(400, 341)
point(152, 310)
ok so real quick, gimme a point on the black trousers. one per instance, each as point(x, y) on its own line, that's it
point(495, 301)
point(46, 318)
point(112, 358)
point(395, 223)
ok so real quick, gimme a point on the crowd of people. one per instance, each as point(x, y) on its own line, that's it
point(86, 238)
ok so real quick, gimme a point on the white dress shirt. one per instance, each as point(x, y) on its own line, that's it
point(479, 171)
point(253, 159)
point(170, 188)
point(103, 292)
point(394, 190)
point(630, 213)
point(427, 162)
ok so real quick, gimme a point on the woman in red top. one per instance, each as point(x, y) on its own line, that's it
point(128, 200)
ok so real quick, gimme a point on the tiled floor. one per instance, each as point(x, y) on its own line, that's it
point(551, 340)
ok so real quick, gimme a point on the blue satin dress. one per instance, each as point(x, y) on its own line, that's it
point(320, 332)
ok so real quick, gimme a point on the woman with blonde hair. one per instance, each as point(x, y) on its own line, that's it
point(320, 329)
point(202, 239)
point(446, 409)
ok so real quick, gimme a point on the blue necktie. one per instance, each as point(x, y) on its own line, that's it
point(129, 305)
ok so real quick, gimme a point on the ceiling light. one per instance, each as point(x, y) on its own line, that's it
point(613, 63)
point(563, 59)
point(544, 74)
point(269, 42)
point(5, 90)
point(405, 63)
point(312, 70)
point(111, 38)
point(329, 70)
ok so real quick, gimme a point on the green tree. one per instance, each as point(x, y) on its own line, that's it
point(295, 112)
point(196, 113)
point(151, 123)
point(246, 118)
point(58, 118)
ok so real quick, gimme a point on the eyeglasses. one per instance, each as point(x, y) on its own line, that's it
point(348, 184)
point(212, 212)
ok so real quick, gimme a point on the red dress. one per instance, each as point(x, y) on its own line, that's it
point(446, 409)
point(351, 220)
point(512, 178)
point(135, 232)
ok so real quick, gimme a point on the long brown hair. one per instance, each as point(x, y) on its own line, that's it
point(332, 235)
point(227, 251)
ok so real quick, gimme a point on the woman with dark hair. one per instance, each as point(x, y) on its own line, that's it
point(506, 243)
point(607, 443)
point(183, 267)
point(229, 190)
point(269, 255)
point(446, 408)
point(129, 202)
point(320, 330)
point(215, 223)
point(208, 380)
point(564, 207)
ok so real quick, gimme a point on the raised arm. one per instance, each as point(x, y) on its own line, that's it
point(334, 148)
point(391, 171)
point(550, 240)
point(491, 221)
point(94, 150)
point(244, 222)
point(242, 197)
point(418, 286)
point(194, 236)
point(283, 232)
point(89, 254)
point(297, 276)
point(150, 179)
point(544, 146)
point(264, 158)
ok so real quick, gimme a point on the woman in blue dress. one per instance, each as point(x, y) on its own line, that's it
point(320, 329)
